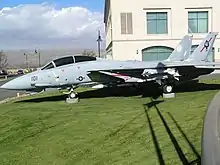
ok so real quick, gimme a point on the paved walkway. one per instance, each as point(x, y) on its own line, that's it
point(211, 132)
point(4, 94)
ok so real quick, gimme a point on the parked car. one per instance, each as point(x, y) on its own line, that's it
point(3, 72)
point(10, 72)
point(20, 71)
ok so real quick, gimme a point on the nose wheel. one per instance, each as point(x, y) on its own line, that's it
point(73, 95)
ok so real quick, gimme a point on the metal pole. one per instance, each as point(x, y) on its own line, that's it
point(39, 59)
point(26, 60)
point(99, 48)
point(99, 40)
point(38, 52)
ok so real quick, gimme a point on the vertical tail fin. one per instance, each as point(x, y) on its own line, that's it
point(182, 50)
point(202, 51)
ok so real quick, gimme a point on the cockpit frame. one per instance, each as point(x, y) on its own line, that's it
point(67, 60)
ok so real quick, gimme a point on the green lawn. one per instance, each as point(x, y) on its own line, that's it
point(111, 130)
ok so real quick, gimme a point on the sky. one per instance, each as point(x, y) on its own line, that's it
point(27, 24)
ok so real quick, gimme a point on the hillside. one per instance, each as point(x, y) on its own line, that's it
point(16, 58)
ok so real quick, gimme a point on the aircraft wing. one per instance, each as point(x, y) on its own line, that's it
point(115, 76)
point(99, 76)
point(123, 76)
point(143, 74)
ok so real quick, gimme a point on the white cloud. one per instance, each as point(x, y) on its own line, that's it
point(44, 25)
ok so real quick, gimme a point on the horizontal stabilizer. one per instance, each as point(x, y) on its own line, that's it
point(209, 67)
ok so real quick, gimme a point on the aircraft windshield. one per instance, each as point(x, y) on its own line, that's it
point(84, 58)
point(68, 60)
point(48, 66)
point(64, 61)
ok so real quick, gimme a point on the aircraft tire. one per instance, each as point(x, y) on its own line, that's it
point(167, 89)
point(73, 95)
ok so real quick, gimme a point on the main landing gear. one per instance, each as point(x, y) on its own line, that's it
point(167, 88)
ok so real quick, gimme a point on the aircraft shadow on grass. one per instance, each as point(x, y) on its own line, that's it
point(179, 151)
point(148, 90)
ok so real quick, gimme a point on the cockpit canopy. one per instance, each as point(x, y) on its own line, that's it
point(68, 60)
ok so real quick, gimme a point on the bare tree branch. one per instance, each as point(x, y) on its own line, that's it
point(3, 60)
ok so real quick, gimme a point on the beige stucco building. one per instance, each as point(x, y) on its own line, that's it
point(150, 30)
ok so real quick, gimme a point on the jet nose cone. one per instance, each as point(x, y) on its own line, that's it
point(4, 86)
point(9, 85)
point(20, 83)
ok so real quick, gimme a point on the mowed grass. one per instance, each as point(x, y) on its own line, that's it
point(104, 130)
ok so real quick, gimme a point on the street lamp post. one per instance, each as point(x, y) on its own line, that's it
point(38, 52)
point(99, 40)
point(26, 60)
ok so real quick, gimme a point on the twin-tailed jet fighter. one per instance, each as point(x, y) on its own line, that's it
point(74, 71)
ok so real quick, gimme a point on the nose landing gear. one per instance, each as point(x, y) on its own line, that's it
point(72, 94)
point(73, 97)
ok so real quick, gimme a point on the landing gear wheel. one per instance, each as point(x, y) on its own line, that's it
point(72, 98)
point(167, 89)
point(73, 95)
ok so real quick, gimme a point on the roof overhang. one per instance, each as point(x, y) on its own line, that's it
point(106, 10)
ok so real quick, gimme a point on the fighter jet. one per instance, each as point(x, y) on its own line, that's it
point(74, 71)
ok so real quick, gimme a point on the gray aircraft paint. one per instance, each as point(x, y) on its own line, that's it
point(78, 73)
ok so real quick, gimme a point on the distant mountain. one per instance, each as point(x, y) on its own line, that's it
point(17, 59)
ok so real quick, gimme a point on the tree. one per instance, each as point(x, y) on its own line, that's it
point(88, 53)
point(3, 60)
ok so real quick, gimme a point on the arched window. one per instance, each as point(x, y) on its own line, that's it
point(156, 53)
point(211, 55)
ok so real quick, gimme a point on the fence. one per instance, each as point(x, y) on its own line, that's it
point(8, 76)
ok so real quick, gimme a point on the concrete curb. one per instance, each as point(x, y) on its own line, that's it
point(211, 133)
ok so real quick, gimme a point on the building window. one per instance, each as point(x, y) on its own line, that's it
point(157, 23)
point(126, 23)
point(198, 22)
point(156, 53)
